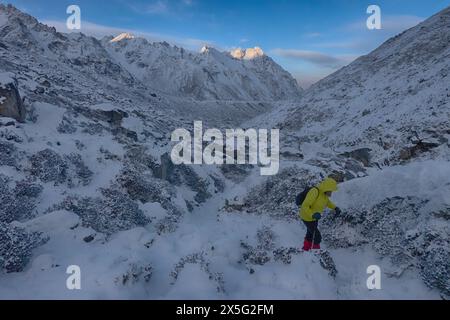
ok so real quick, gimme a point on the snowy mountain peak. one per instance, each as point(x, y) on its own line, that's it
point(253, 53)
point(12, 15)
point(123, 36)
point(209, 75)
point(21, 22)
point(10, 10)
point(248, 54)
point(208, 49)
point(238, 53)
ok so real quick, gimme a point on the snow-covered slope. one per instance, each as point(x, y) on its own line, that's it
point(381, 126)
point(385, 100)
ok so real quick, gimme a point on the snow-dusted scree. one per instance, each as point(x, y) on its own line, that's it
point(87, 179)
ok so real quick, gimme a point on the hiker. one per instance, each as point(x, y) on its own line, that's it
point(315, 201)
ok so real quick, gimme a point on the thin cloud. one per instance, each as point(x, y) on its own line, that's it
point(389, 23)
point(362, 40)
point(307, 80)
point(400, 23)
point(161, 7)
point(312, 35)
point(347, 44)
point(158, 7)
point(316, 58)
point(100, 31)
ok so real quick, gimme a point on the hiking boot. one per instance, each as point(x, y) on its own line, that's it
point(307, 245)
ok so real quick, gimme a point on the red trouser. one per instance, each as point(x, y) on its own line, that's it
point(313, 236)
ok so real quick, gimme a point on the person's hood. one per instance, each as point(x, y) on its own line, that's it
point(328, 184)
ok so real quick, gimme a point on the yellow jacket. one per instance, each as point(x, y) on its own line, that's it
point(316, 200)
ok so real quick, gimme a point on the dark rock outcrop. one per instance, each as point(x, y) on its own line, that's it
point(11, 104)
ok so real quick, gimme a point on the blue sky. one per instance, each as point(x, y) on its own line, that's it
point(309, 38)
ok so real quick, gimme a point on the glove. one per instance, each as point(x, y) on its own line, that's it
point(337, 211)
point(317, 216)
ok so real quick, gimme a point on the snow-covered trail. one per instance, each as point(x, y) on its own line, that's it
point(218, 235)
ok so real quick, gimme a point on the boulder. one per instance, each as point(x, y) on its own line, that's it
point(10, 102)
point(362, 155)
